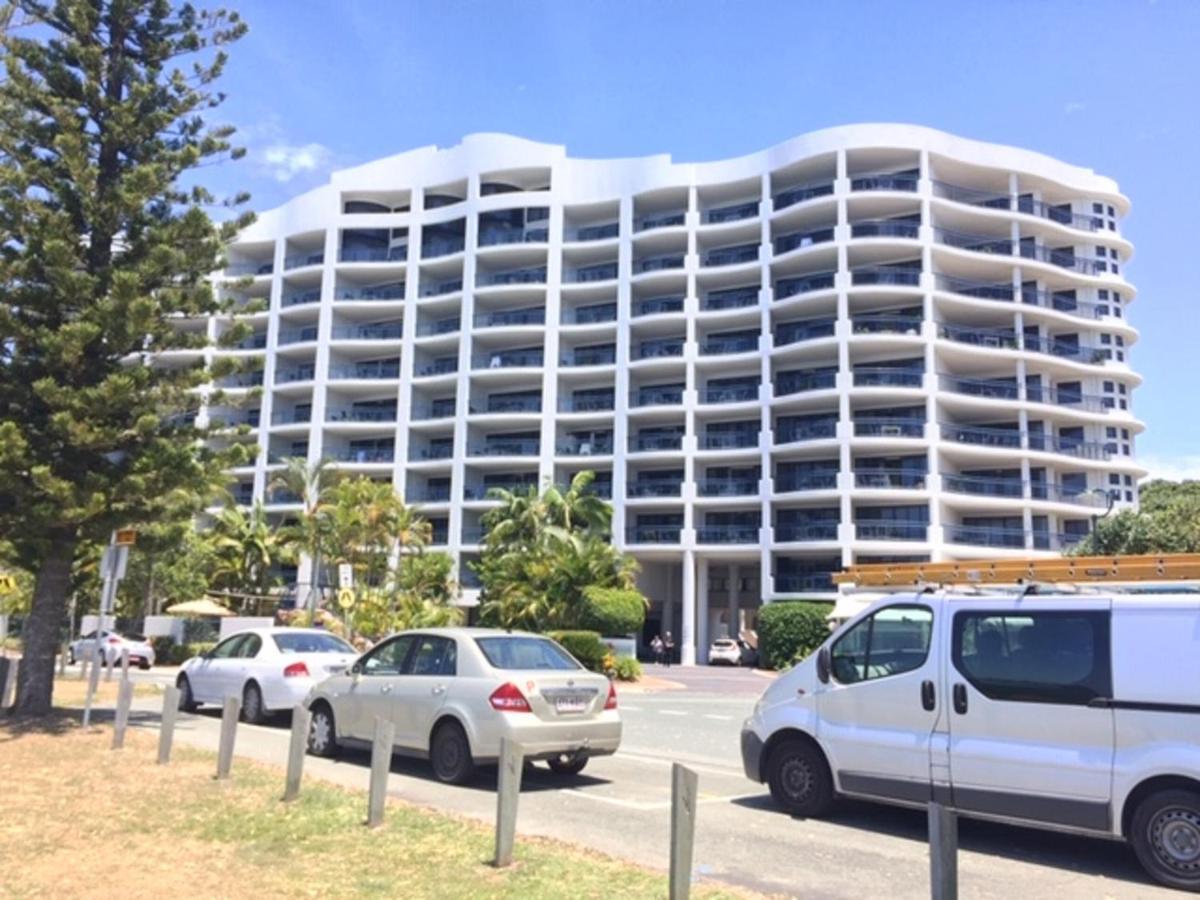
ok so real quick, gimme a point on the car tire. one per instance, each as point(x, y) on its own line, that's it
point(144, 666)
point(187, 700)
point(322, 732)
point(799, 778)
point(253, 712)
point(450, 754)
point(568, 763)
point(1165, 833)
point(70, 656)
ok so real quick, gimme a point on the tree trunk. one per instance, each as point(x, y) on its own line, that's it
point(35, 677)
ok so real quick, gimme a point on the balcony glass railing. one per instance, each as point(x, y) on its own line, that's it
point(972, 196)
point(432, 249)
point(491, 490)
point(242, 379)
point(983, 487)
point(242, 269)
point(1066, 349)
point(652, 442)
point(985, 535)
point(660, 220)
point(809, 330)
point(1065, 494)
point(590, 315)
point(587, 404)
point(507, 447)
point(374, 254)
point(727, 487)
point(653, 534)
point(298, 260)
point(297, 335)
point(362, 414)
point(730, 394)
point(585, 448)
point(885, 228)
point(438, 367)
point(441, 326)
point(885, 181)
point(734, 213)
point(992, 338)
point(795, 584)
point(980, 290)
point(508, 359)
point(896, 428)
point(1063, 258)
point(883, 480)
point(891, 531)
point(798, 382)
point(659, 263)
point(720, 346)
point(728, 256)
point(730, 299)
point(473, 534)
point(658, 305)
point(981, 435)
point(384, 331)
point(887, 325)
point(806, 481)
point(1059, 540)
point(436, 410)
point(590, 356)
point(534, 275)
point(381, 293)
point(979, 243)
point(801, 532)
point(1060, 301)
point(510, 405)
point(302, 298)
point(800, 193)
point(788, 242)
point(494, 237)
point(813, 431)
point(1070, 446)
point(533, 316)
point(1057, 214)
point(598, 232)
point(885, 377)
point(981, 387)
point(656, 397)
point(727, 534)
point(437, 451)
point(291, 416)
point(659, 349)
point(601, 272)
point(431, 494)
point(899, 276)
point(442, 288)
point(365, 371)
point(1066, 397)
point(657, 487)
point(365, 455)
point(290, 376)
point(729, 440)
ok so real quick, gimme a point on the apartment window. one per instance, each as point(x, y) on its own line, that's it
point(1121, 389)
point(1114, 479)
point(1108, 387)
point(1111, 211)
point(1103, 294)
point(893, 641)
point(1110, 432)
point(1125, 434)
point(1098, 208)
point(1059, 657)
point(1106, 339)
point(1129, 496)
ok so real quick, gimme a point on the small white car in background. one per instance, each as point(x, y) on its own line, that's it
point(725, 650)
point(453, 693)
point(268, 669)
point(141, 653)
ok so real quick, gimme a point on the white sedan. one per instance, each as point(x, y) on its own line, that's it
point(141, 653)
point(268, 669)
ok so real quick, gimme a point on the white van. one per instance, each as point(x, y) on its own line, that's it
point(1076, 712)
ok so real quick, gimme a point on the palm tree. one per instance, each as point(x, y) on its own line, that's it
point(312, 484)
point(244, 548)
point(578, 507)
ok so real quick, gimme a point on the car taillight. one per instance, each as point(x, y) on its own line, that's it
point(296, 670)
point(114, 639)
point(611, 702)
point(508, 698)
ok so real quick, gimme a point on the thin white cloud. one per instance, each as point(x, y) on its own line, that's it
point(1172, 468)
point(1073, 107)
point(283, 162)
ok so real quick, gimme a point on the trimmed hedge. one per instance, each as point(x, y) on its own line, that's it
point(791, 630)
point(612, 611)
point(168, 653)
point(585, 646)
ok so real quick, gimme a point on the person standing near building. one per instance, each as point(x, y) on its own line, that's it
point(668, 648)
point(656, 647)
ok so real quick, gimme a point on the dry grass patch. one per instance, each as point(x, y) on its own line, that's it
point(72, 806)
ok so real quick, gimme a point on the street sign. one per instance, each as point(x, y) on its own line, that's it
point(345, 598)
point(345, 575)
point(8, 583)
point(125, 537)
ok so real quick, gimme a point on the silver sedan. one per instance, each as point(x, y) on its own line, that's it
point(453, 693)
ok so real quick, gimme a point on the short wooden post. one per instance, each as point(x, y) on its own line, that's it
point(93, 684)
point(124, 699)
point(508, 793)
point(109, 661)
point(8, 686)
point(683, 830)
point(229, 721)
point(166, 728)
point(62, 660)
point(381, 765)
point(295, 767)
point(943, 852)
point(124, 663)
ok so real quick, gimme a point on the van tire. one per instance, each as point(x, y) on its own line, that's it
point(1165, 833)
point(799, 778)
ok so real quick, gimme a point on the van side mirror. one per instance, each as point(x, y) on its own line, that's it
point(823, 665)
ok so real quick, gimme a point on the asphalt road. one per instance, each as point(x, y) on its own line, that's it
point(621, 805)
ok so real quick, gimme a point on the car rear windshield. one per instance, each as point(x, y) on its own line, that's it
point(310, 643)
point(525, 653)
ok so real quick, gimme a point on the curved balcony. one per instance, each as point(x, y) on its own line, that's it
point(1075, 447)
point(805, 532)
point(886, 377)
point(805, 284)
point(878, 480)
point(727, 534)
point(734, 213)
point(985, 536)
point(449, 325)
point(529, 275)
point(982, 436)
point(659, 487)
point(592, 315)
point(883, 324)
point(498, 237)
point(1063, 258)
point(598, 232)
point(1069, 350)
point(300, 298)
point(890, 428)
point(980, 387)
point(437, 367)
point(599, 272)
point(366, 371)
point(659, 263)
point(660, 220)
point(734, 298)
point(654, 306)
point(295, 375)
point(300, 260)
point(373, 254)
point(885, 181)
point(799, 240)
point(435, 249)
point(729, 440)
point(886, 228)
point(506, 447)
point(508, 359)
point(990, 338)
point(295, 335)
point(891, 531)
point(808, 330)
point(656, 397)
point(727, 487)
point(386, 331)
point(659, 349)
point(972, 196)
point(379, 293)
point(723, 346)
point(439, 409)
point(811, 431)
point(242, 269)
point(730, 394)
point(375, 455)
point(800, 382)
point(590, 356)
point(798, 482)
point(730, 256)
point(796, 584)
point(799, 194)
point(653, 534)
point(976, 243)
point(586, 404)
point(291, 417)
point(585, 448)
point(442, 288)
point(511, 317)
point(1008, 488)
point(655, 443)
point(508, 405)
point(896, 276)
point(350, 414)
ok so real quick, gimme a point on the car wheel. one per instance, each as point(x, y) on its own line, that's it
point(70, 656)
point(187, 701)
point(252, 705)
point(568, 763)
point(450, 753)
point(1165, 834)
point(144, 666)
point(322, 735)
point(799, 778)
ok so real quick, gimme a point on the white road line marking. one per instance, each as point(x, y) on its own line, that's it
point(718, 718)
point(626, 708)
point(671, 712)
point(643, 806)
point(663, 761)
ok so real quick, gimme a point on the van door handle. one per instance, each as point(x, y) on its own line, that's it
point(960, 698)
point(385, 689)
point(928, 698)
point(438, 689)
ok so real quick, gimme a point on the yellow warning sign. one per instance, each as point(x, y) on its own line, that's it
point(345, 598)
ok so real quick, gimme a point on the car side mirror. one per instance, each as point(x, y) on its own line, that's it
point(823, 665)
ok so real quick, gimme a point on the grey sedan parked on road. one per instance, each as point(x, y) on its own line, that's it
point(453, 693)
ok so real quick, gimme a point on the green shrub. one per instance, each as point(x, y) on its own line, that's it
point(626, 668)
point(164, 649)
point(178, 654)
point(585, 646)
point(612, 611)
point(791, 630)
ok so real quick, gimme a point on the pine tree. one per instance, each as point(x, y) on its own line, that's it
point(101, 122)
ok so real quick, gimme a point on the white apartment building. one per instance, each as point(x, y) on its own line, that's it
point(869, 343)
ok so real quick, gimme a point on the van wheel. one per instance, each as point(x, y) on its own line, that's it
point(799, 779)
point(450, 753)
point(1165, 834)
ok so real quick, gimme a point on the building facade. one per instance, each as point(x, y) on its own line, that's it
point(869, 343)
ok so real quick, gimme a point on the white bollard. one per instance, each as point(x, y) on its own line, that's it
point(381, 765)
point(683, 830)
point(124, 700)
point(229, 721)
point(295, 770)
point(508, 793)
point(166, 728)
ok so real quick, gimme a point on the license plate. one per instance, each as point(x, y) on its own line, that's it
point(569, 705)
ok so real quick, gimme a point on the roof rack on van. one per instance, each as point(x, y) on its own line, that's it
point(1030, 573)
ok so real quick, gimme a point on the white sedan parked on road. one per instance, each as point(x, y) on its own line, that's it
point(268, 669)
point(453, 693)
point(141, 653)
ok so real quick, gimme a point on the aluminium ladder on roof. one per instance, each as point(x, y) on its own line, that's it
point(1130, 569)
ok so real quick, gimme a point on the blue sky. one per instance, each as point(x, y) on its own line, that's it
point(1110, 85)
